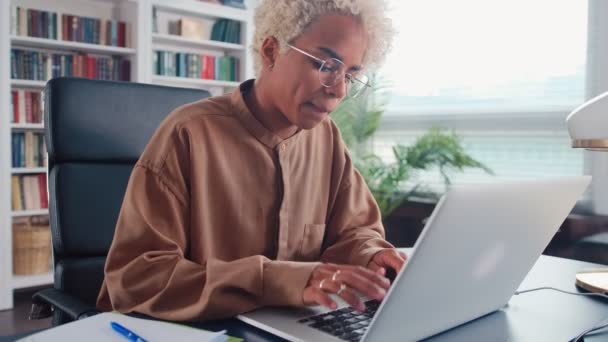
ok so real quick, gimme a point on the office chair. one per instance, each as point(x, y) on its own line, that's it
point(94, 132)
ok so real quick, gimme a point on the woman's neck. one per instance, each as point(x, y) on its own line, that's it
point(259, 103)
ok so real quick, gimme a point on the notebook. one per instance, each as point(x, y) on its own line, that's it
point(97, 328)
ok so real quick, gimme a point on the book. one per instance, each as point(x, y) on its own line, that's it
point(16, 194)
point(235, 3)
point(154, 20)
point(190, 28)
point(217, 2)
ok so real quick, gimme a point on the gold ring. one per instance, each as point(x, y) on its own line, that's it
point(335, 276)
point(342, 288)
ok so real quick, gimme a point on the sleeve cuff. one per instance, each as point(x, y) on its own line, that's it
point(284, 282)
point(367, 252)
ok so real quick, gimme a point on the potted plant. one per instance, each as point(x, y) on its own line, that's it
point(358, 119)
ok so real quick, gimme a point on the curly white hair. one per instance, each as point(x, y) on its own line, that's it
point(287, 19)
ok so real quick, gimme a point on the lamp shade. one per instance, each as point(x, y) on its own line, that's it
point(588, 124)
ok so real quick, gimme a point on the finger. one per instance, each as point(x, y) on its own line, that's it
point(393, 260)
point(352, 299)
point(374, 266)
point(374, 277)
point(403, 255)
point(348, 295)
point(323, 271)
point(322, 298)
point(362, 284)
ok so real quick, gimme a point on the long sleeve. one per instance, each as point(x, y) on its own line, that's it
point(174, 255)
point(147, 270)
point(355, 231)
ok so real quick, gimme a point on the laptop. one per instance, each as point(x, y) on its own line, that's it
point(474, 251)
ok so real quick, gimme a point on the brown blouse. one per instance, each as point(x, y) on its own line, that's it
point(221, 216)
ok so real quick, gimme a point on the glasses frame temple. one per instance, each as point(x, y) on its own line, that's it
point(323, 63)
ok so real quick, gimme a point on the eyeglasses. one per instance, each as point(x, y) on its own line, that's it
point(333, 70)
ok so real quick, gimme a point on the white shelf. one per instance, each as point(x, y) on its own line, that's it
point(69, 46)
point(25, 281)
point(192, 7)
point(20, 126)
point(193, 82)
point(188, 42)
point(25, 213)
point(113, 2)
point(27, 83)
point(26, 170)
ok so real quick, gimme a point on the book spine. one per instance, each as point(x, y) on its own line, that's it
point(23, 22)
point(16, 193)
point(97, 31)
point(121, 34)
point(114, 33)
point(155, 62)
point(21, 150)
point(14, 25)
point(13, 150)
point(44, 200)
point(54, 29)
point(29, 23)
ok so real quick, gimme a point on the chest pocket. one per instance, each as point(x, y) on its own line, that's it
point(312, 239)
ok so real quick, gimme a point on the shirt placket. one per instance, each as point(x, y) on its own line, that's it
point(283, 252)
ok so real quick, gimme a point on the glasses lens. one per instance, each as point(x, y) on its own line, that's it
point(331, 72)
point(358, 85)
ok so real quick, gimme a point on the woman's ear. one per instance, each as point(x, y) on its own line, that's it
point(270, 51)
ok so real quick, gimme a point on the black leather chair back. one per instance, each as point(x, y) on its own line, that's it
point(95, 132)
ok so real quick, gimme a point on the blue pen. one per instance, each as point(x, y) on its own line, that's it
point(126, 332)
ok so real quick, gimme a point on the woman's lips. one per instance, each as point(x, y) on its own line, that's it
point(317, 109)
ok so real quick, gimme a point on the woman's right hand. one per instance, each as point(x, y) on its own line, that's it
point(348, 282)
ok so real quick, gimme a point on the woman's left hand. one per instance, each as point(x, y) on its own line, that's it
point(387, 258)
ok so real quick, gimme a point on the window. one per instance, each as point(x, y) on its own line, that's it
point(504, 74)
point(480, 55)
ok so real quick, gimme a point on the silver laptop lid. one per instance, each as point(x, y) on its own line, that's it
point(474, 251)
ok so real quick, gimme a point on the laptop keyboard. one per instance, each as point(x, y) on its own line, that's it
point(347, 324)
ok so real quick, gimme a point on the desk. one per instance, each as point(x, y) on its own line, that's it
point(536, 316)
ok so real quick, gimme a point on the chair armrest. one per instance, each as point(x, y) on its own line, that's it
point(42, 301)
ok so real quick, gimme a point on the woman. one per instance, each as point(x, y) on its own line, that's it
point(250, 199)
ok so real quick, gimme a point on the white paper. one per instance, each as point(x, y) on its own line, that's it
point(97, 328)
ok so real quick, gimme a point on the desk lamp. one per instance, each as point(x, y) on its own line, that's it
point(588, 128)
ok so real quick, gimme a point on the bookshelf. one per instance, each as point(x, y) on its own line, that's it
point(14, 37)
point(70, 46)
point(164, 38)
point(26, 126)
point(22, 282)
point(192, 82)
point(27, 84)
point(25, 170)
point(178, 41)
point(141, 43)
point(26, 213)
